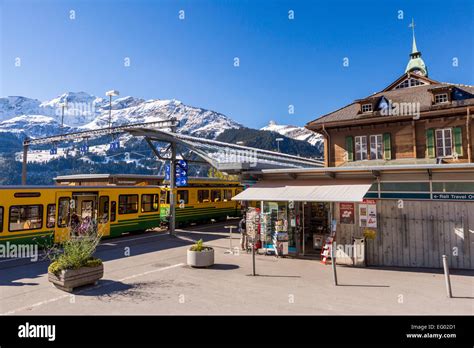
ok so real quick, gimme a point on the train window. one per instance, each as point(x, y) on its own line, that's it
point(149, 203)
point(164, 197)
point(113, 210)
point(203, 196)
point(215, 195)
point(104, 209)
point(25, 217)
point(227, 195)
point(51, 215)
point(1, 219)
point(63, 211)
point(128, 204)
point(183, 196)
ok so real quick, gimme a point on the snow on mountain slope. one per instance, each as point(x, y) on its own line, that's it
point(32, 126)
point(294, 132)
point(15, 106)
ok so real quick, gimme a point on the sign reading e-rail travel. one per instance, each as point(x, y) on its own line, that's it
point(454, 196)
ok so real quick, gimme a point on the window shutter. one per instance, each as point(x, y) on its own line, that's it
point(350, 148)
point(387, 147)
point(430, 143)
point(457, 134)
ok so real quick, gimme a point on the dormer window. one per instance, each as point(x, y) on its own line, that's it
point(441, 98)
point(366, 108)
point(411, 82)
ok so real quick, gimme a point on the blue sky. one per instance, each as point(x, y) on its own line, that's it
point(282, 62)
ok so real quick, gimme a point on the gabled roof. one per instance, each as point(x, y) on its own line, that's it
point(418, 94)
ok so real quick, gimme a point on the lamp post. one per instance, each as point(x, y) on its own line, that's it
point(278, 143)
point(110, 94)
point(63, 106)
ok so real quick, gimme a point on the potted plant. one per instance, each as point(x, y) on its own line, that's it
point(73, 263)
point(200, 255)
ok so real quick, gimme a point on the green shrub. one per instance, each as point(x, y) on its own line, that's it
point(75, 252)
point(199, 246)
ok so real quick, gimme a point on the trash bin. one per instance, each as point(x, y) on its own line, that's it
point(359, 252)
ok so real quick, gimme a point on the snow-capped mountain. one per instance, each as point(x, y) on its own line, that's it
point(82, 111)
point(294, 132)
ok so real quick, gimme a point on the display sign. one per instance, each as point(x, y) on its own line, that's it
point(181, 173)
point(368, 213)
point(454, 196)
point(346, 213)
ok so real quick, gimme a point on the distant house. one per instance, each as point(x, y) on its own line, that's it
point(413, 120)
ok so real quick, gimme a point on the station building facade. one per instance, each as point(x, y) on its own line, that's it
point(398, 177)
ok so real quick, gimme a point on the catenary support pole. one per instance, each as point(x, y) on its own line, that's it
point(253, 257)
point(24, 165)
point(446, 276)
point(172, 220)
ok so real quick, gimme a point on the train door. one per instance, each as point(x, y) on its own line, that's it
point(103, 218)
point(65, 205)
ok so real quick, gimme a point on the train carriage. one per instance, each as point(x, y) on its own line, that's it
point(40, 214)
point(202, 200)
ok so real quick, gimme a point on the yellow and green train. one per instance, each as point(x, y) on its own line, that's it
point(43, 214)
point(202, 200)
point(37, 214)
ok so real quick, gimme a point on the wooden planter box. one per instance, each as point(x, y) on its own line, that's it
point(200, 258)
point(69, 279)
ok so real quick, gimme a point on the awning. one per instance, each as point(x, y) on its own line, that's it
point(306, 191)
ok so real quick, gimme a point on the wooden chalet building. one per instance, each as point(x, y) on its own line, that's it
point(413, 120)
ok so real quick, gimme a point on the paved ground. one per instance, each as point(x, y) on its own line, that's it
point(154, 279)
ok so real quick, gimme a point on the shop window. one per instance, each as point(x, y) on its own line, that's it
point(149, 203)
point(405, 186)
point(183, 196)
point(361, 148)
point(227, 195)
point(25, 217)
point(453, 187)
point(128, 204)
point(113, 211)
point(444, 142)
point(1, 219)
point(376, 149)
point(87, 208)
point(215, 195)
point(63, 211)
point(104, 209)
point(51, 215)
point(203, 196)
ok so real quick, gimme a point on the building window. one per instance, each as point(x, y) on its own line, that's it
point(26, 217)
point(376, 147)
point(113, 211)
point(128, 204)
point(183, 196)
point(366, 108)
point(51, 215)
point(149, 203)
point(409, 83)
point(444, 142)
point(361, 148)
point(441, 98)
point(227, 195)
point(63, 212)
point(203, 196)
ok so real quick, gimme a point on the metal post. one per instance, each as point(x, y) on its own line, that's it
point(62, 117)
point(333, 262)
point(253, 256)
point(23, 168)
point(446, 276)
point(172, 222)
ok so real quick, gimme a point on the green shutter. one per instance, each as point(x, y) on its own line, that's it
point(387, 147)
point(430, 143)
point(350, 148)
point(457, 134)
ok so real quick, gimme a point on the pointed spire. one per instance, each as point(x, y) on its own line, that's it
point(412, 26)
point(415, 64)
